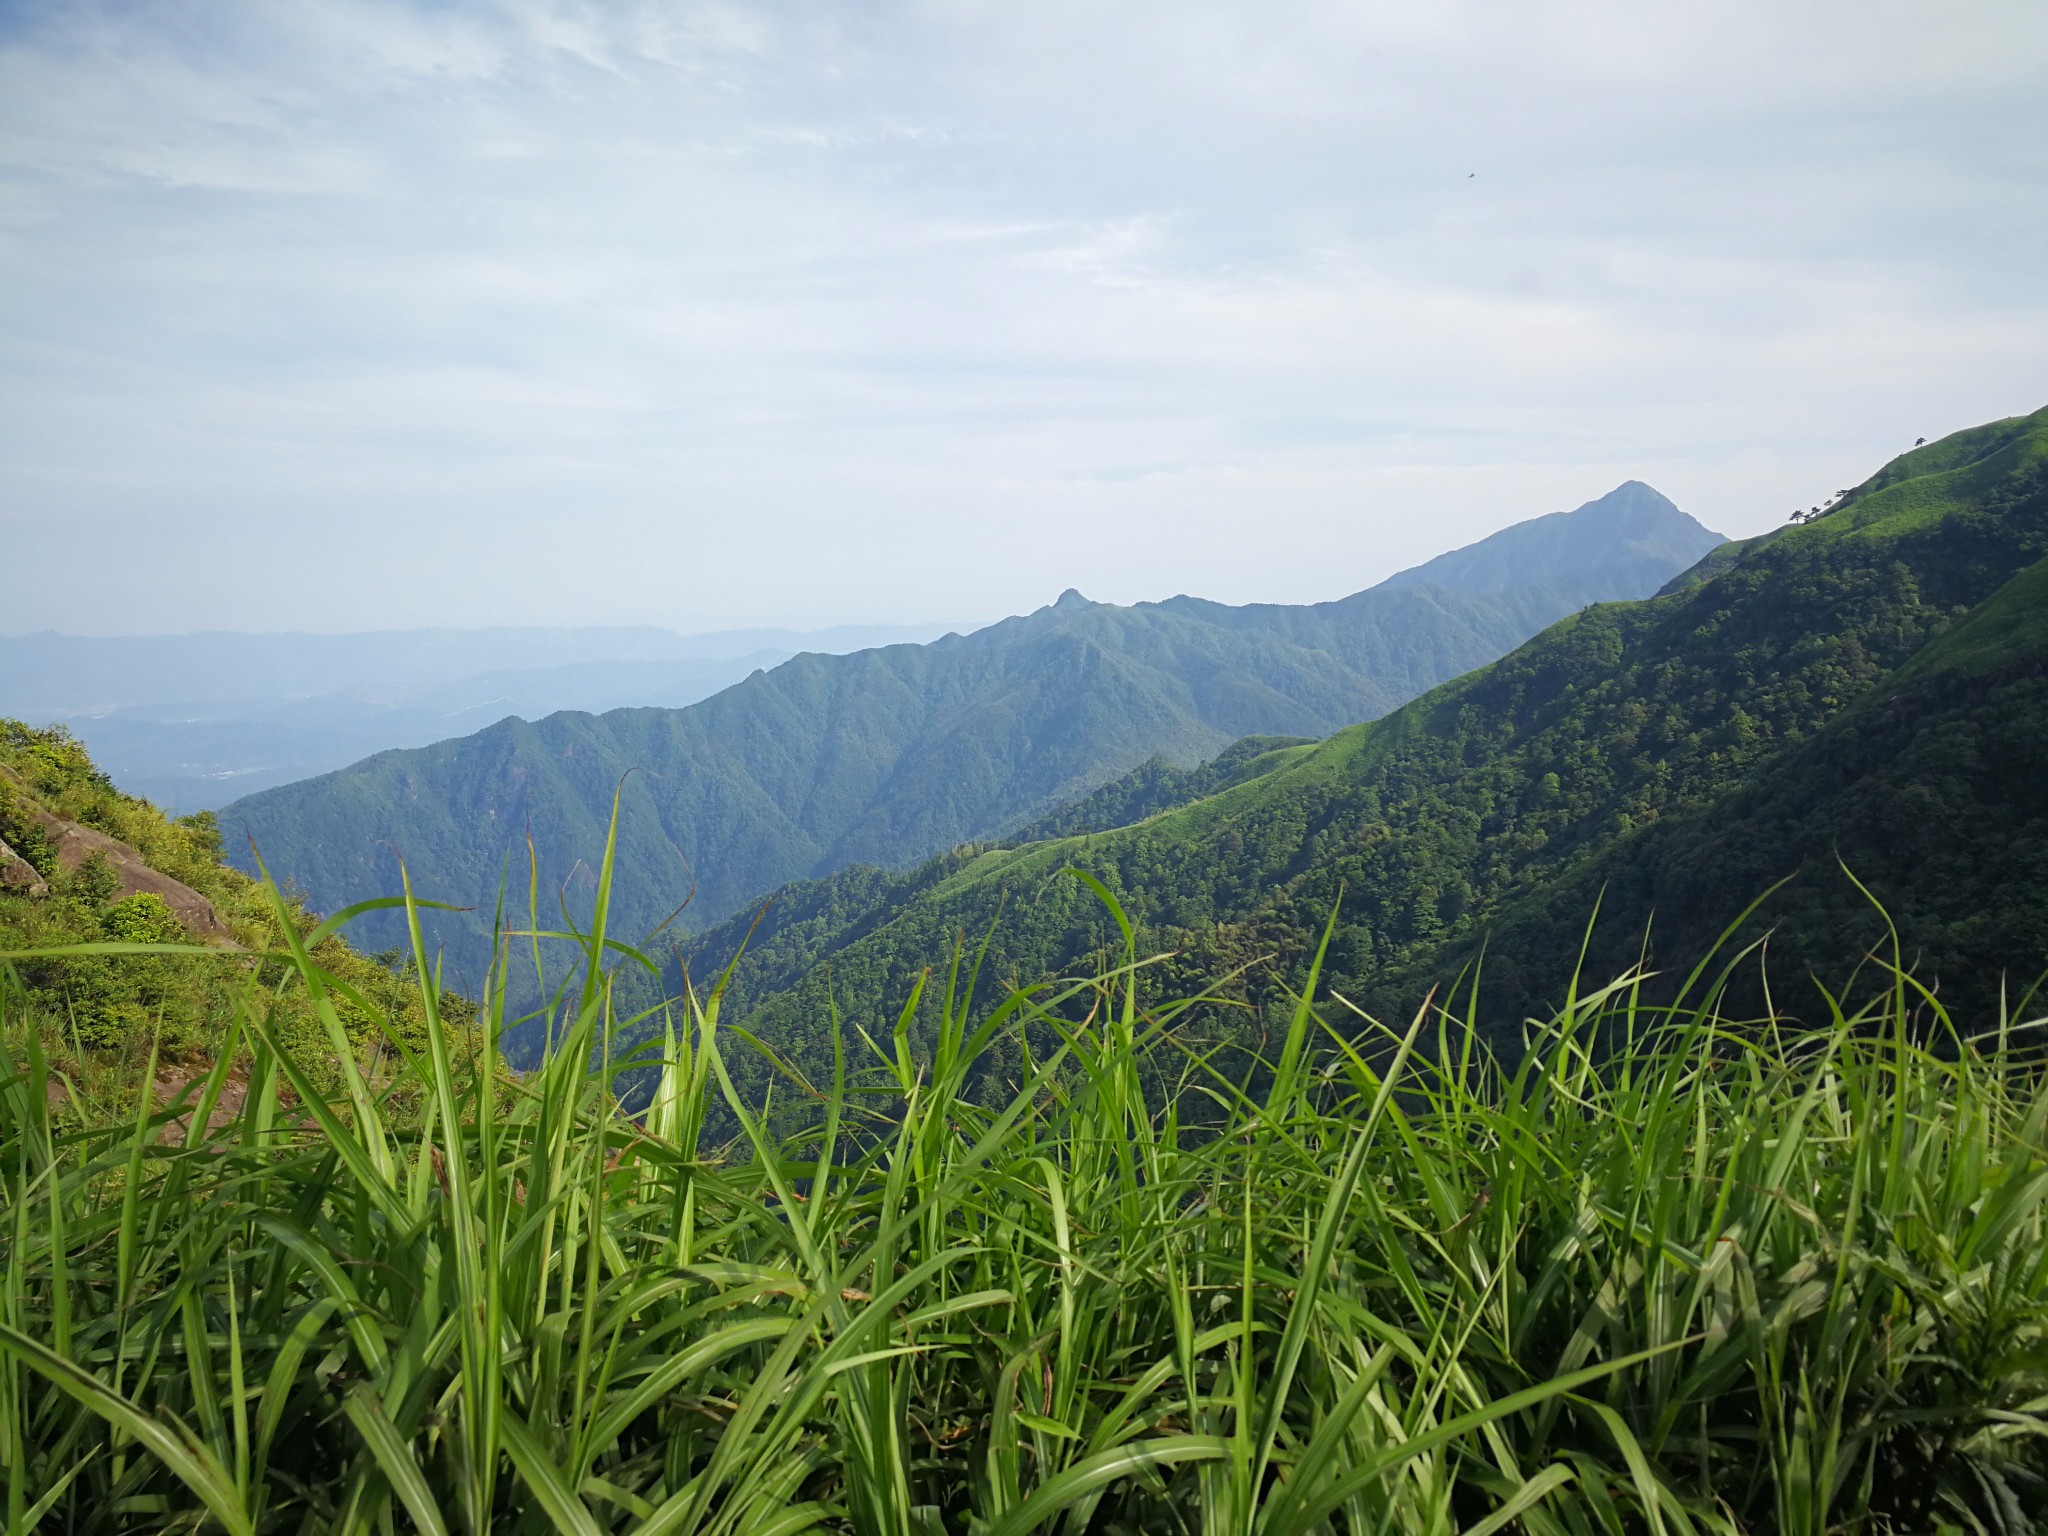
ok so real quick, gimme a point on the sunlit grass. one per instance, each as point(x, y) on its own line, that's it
point(1663, 1271)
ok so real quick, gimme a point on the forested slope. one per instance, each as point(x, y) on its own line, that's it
point(1928, 793)
point(889, 755)
point(1831, 690)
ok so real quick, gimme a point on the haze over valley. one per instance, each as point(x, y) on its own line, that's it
point(194, 721)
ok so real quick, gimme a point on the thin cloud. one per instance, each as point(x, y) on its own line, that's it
point(365, 312)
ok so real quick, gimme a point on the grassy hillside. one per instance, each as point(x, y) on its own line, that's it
point(1043, 1259)
point(809, 922)
point(86, 865)
point(1602, 754)
point(891, 755)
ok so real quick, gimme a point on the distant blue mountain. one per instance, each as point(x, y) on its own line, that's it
point(1607, 551)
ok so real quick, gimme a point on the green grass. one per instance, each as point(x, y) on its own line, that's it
point(1927, 482)
point(1664, 1272)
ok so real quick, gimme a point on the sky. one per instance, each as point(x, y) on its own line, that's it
point(351, 314)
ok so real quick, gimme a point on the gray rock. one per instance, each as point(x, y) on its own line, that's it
point(17, 874)
point(75, 843)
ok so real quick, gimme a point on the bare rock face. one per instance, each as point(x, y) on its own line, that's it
point(75, 843)
point(17, 874)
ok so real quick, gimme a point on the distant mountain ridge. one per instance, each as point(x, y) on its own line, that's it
point(888, 755)
point(194, 721)
point(47, 670)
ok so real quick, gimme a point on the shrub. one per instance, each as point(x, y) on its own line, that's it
point(202, 832)
point(144, 918)
point(20, 830)
point(93, 884)
point(33, 845)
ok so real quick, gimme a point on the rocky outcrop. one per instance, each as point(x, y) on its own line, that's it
point(74, 844)
point(17, 874)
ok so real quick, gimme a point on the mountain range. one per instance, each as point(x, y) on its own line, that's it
point(1854, 707)
point(889, 755)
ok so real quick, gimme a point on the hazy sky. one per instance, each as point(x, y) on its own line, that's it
point(345, 313)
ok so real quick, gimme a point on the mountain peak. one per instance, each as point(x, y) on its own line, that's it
point(1630, 497)
point(1607, 543)
point(1071, 598)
